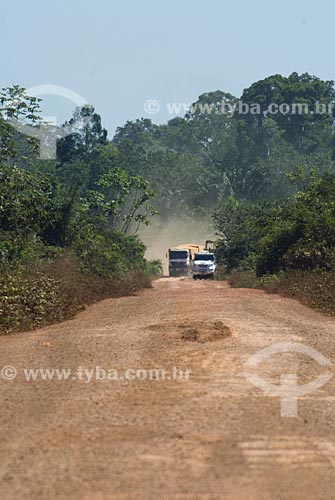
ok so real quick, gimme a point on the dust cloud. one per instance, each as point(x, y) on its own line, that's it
point(162, 234)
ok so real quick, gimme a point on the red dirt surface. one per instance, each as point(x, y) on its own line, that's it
point(213, 436)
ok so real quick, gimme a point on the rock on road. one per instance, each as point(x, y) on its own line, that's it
point(209, 436)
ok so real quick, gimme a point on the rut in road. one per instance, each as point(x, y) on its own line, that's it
point(210, 436)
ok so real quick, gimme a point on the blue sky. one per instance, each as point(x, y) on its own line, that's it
point(117, 55)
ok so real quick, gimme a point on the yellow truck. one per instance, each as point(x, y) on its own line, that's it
point(181, 258)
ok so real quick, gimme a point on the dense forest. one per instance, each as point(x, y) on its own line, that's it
point(69, 226)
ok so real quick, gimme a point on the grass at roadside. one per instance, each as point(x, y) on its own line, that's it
point(313, 288)
point(53, 292)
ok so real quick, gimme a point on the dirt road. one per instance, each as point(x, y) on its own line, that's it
point(206, 435)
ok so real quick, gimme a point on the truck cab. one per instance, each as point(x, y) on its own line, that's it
point(179, 261)
point(204, 265)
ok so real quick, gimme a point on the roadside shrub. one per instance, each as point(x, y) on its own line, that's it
point(314, 288)
point(308, 255)
point(109, 254)
point(28, 300)
point(56, 290)
point(154, 268)
point(276, 236)
point(273, 247)
point(243, 279)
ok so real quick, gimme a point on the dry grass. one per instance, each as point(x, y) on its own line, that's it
point(313, 288)
point(243, 279)
point(56, 291)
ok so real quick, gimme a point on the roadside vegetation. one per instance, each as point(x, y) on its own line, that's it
point(286, 247)
point(69, 226)
point(284, 241)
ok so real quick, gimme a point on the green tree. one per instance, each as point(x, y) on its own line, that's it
point(16, 107)
point(87, 134)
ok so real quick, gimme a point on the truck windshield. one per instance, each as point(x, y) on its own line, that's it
point(204, 256)
point(178, 254)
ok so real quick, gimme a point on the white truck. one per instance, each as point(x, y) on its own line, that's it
point(204, 265)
